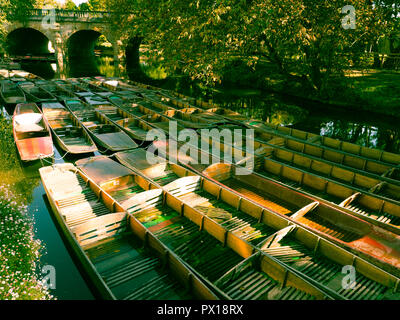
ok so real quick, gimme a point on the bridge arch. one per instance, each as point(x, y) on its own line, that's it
point(26, 40)
point(22, 41)
point(80, 51)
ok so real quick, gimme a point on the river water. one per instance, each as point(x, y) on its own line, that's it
point(378, 132)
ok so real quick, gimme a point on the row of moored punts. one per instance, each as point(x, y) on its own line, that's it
point(177, 229)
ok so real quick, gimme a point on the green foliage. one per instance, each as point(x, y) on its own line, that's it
point(97, 5)
point(47, 4)
point(18, 9)
point(303, 38)
point(70, 5)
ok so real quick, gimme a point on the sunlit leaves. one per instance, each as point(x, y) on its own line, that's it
point(302, 37)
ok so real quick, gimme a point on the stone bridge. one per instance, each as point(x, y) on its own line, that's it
point(72, 34)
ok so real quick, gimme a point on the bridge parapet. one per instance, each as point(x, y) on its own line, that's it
point(62, 15)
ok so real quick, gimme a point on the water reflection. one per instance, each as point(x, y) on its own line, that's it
point(382, 136)
point(40, 68)
point(357, 127)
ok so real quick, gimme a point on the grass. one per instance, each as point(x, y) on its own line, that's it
point(19, 250)
point(379, 90)
point(367, 90)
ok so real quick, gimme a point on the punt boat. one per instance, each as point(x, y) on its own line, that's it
point(95, 100)
point(379, 211)
point(122, 101)
point(108, 244)
point(376, 163)
point(375, 244)
point(193, 117)
point(211, 116)
point(67, 130)
point(36, 94)
point(264, 230)
point(149, 117)
point(31, 133)
point(113, 84)
point(177, 227)
point(72, 87)
point(381, 186)
point(127, 122)
point(58, 91)
point(105, 133)
point(11, 94)
point(96, 90)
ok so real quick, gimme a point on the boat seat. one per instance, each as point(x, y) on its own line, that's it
point(32, 127)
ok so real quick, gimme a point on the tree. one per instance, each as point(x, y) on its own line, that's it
point(15, 9)
point(84, 6)
point(303, 38)
point(70, 5)
point(97, 5)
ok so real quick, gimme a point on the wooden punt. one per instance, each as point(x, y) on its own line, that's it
point(11, 94)
point(32, 136)
point(118, 181)
point(145, 113)
point(188, 115)
point(58, 91)
point(122, 102)
point(370, 168)
point(375, 244)
point(92, 88)
point(163, 216)
point(36, 94)
point(104, 132)
point(194, 118)
point(68, 131)
point(127, 122)
point(72, 87)
point(186, 118)
point(265, 231)
point(370, 160)
point(212, 115)
point(95, 100)
point(118, 88)
point(159, 116)
point(108, 246)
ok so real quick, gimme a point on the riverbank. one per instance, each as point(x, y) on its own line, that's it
point(19, 250)
point(369, 90)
